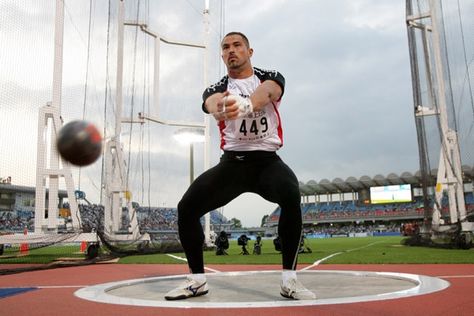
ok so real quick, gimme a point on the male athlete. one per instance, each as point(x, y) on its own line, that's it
point(245, 104)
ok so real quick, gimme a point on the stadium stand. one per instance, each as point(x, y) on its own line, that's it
point(348, 211)
point(332, 205)
point(16, 220)
point(92, 219)
point(19, 213)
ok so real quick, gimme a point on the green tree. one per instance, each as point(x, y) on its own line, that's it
point(264, 219)
point(236, 223)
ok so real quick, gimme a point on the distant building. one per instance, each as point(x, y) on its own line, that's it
point(17, 197)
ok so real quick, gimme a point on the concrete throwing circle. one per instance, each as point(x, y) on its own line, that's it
point(262, 289)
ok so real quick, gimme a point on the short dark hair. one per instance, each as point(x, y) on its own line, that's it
point(246, 40)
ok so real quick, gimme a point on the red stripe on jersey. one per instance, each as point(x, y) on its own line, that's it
point(280, 129)
point(221, 125)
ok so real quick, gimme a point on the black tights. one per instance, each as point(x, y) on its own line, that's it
point(260, 172)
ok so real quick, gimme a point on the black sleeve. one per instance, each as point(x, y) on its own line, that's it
point(219, 87)
point(271, 75)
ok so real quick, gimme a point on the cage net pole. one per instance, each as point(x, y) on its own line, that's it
point(439, 97)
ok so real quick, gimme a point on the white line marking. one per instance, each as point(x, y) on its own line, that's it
point(186, 260)
point(316, 263)
point(177, 258)
point(455, 276)
point(210, 269)
point(366, 246)
point(60, 286)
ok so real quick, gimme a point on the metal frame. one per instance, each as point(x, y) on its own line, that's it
point(49, 118)
point(449, 176)
point(114, 186)
point(115, 191)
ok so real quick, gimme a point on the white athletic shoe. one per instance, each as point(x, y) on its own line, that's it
point(295, 290)
point(189, 288)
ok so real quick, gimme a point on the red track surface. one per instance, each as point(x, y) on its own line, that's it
point(57, 287)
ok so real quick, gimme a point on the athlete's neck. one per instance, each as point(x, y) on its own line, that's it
point(237, 73)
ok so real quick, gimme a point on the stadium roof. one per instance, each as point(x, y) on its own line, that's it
point(11, 188)
point(352, 184)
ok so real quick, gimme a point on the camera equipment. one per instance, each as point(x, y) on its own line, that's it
point(257, 246)
point(242, 241)
point(277, 243)
point(222, 244)
point(304, 246)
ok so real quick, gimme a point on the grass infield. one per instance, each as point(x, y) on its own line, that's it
point(343, 250)
point(363, 250)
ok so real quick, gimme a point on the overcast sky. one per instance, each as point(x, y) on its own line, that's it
point(347, 108)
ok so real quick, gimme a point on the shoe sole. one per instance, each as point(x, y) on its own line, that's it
point(287, 296)
point(182, 297)
point(293, 298)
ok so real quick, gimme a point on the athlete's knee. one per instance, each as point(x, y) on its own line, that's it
point(291, 203)
point(185, 213)
point(290, 220)
point(290, 191)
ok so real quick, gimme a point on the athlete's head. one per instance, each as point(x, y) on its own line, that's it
point(236, 51)
point(242, 35)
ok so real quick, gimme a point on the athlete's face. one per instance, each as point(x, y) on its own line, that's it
point(235, 52)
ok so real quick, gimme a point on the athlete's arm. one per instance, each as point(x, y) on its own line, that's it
point(268, 91)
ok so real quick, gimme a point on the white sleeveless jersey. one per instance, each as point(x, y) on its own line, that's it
point(260, 130)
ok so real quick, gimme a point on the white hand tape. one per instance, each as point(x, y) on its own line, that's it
point(244, 104)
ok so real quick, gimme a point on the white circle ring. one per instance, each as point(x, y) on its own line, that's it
point(339, 287)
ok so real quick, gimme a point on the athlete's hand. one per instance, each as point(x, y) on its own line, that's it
point(244, 105)
point(232, 107)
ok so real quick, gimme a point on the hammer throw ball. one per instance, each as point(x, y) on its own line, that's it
point(79, 142)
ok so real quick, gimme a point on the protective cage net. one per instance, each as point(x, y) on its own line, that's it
point(455, 22)
point(155, 170)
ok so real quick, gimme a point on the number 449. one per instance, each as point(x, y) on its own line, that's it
point(256, 126)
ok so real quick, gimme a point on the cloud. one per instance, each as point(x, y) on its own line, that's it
point(347, 108)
